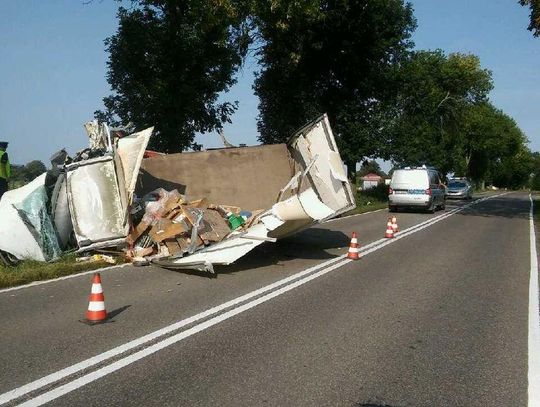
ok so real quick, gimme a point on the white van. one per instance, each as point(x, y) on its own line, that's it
point(416, 188)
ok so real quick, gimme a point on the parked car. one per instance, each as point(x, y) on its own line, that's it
point(419, 188)
point(459, 189)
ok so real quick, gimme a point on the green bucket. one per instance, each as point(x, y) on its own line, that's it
point(235, 221)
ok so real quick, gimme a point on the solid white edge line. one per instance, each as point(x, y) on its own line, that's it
point(84, 273)
point(61, 374)
point(534, 320)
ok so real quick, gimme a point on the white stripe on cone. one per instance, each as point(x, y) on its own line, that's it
point(354, 250)
point(354, 240)
point(96, 306)
point(96, 289)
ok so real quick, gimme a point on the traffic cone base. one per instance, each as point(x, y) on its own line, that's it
point(354, 252)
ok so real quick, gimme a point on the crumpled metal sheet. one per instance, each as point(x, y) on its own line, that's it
point(131, 151)
point(97, 134)
point(319, 191)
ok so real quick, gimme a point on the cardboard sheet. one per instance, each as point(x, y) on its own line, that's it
point(247, 177)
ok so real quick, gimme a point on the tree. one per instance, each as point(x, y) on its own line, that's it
point(333, 56)
point(168, 62)
point(34, 169)
point(370, 166)
point(23, 174)
point(435, 94)
point(534, 24)
point(535, 181)
point(488, 136)
point(513, 171)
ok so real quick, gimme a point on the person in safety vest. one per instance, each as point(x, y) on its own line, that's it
point(5, 168)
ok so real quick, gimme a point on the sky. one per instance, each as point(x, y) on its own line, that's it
point(53, 68)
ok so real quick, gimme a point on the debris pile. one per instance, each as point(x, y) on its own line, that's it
point(169, 226)
point(98, 201)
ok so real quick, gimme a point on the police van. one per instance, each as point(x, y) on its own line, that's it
point(416, 188)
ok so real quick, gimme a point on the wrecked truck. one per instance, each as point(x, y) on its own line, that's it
point(190, 210)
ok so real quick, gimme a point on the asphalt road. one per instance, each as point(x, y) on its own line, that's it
point(436, 317)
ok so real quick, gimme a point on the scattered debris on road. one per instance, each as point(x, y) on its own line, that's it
point(191, 210)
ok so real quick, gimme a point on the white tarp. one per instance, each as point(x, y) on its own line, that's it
point(15, 236)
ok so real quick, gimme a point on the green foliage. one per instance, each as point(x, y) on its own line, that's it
point(535, 181)
point(333, 56)
point(435, 94)
point(513, 171)
point(168, 62)
point(487, 136)
point(23, 174)
point(375, 194)
point(370, 166)
point(534, 24)
point(28, 271)
point(34, 169)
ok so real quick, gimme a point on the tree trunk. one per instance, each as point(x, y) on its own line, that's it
point(351, 170)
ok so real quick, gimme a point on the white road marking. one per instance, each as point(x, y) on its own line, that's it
point(534, 320)
point(77, 383)
point(288, 284)
point(85, 364)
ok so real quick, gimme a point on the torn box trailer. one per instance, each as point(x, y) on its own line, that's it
point(286, 188)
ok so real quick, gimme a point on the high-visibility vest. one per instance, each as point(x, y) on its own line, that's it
point(5, 168)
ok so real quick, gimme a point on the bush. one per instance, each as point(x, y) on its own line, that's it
point(377, 194)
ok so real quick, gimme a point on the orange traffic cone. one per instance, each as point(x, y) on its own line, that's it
point(389, 229)
point(395, 226)
point(353, 253)
point(96, 306)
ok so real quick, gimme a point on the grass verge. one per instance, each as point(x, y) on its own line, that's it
point(28, 271)
point(373, 206)
point(370, 200)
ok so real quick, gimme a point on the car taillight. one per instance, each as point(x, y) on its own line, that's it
point(390, 191)
point(428, 191)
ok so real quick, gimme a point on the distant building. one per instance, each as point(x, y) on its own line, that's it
point(371, 180)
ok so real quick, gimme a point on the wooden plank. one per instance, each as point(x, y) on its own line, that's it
point(173, 246)
point(166, 229)
point(199, 203)
point(137, 232)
